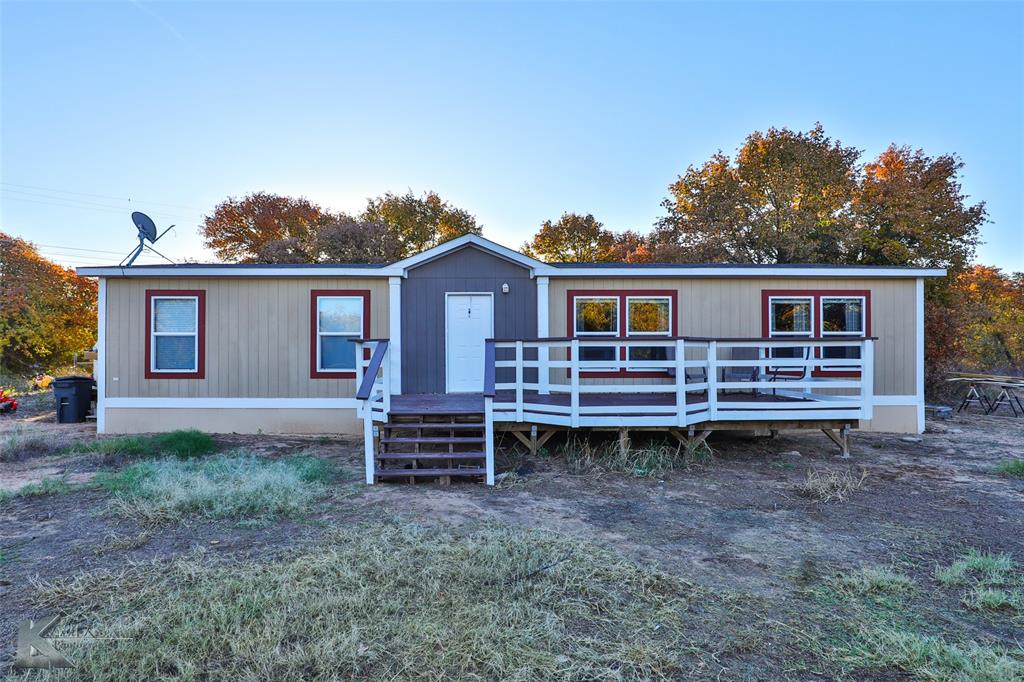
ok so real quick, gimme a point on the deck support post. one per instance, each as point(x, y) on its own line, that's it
point(842, 439)
point(623, 442)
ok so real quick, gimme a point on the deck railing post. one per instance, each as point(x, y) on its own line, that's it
point(519, 381)
point(368, 442)
point(359, 366)
point(489, 437)
point(574, 383)
point(681, 382)
point(712, 380)
point(385, 384)
point(867, 379)
point(543, 372)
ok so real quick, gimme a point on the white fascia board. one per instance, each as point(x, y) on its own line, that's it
point(237, 403)
point(469, 240)
point(727, 271)
point(217, 271)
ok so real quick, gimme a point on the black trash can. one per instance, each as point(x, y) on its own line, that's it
point(73, 396)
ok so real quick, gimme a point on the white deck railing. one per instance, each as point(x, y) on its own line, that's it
point(699, 380)
point(373, 387)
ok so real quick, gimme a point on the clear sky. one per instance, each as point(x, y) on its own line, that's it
point(515, 112)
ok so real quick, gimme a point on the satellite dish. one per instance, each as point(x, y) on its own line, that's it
point(147, 232)
point(147, 228)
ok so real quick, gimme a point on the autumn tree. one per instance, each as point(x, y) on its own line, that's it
point(910, 210)
point(261, 228)
point(630, 246)
point(573, 238)
point(345, 239)
point(47, 312)
point(419, 223)
point(784, 199)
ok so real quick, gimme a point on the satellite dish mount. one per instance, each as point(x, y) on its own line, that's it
point(147, 232)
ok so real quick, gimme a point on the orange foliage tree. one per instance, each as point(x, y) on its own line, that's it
point(47, 312)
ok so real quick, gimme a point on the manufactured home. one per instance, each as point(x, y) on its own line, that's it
point(427, 358)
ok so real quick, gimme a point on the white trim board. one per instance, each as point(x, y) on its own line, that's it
point(100, 366)
point(237, 403)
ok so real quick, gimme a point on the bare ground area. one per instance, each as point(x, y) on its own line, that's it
point(738, 525)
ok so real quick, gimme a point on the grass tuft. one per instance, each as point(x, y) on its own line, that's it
point(184, 444)
point(930, 657)
point(978, 567)
point(872, 580)
point(393, 601)
point(650, 461)
point(831, 486)
point(122, 543)
point(239, 486)
point(48, 486)
point(1013, 467)
point(994, 599)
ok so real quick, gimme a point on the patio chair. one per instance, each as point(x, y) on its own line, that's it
point(733, 374)
point(788, 372)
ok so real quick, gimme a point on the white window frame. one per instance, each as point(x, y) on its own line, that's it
point(154, 333)
point(771, 315)
point(668, 332)
point(614, 367)
point(863, 326)
point(355, 335)
point(863, 315)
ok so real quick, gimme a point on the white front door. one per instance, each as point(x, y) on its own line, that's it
point(469, 323)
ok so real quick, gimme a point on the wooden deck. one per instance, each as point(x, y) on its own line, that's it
point(473, 403)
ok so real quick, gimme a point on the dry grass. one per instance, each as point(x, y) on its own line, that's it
point(831, 485)
point(25, 442)
point(122, 543)
point(652, 460)
point(238, 486)
point(392, 601)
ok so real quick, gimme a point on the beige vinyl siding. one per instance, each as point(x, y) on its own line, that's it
point(731, 307)
point(257, 337)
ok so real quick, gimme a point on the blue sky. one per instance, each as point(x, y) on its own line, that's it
point(516, 112)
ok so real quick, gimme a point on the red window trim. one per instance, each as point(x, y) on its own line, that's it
point(622, 295)
point(314, 371)
point(817, 313)
point(200, 372)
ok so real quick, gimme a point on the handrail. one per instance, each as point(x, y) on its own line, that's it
point(370, 375)
point(727, 339)
point(489, 368)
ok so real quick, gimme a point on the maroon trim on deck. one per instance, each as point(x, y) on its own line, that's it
point(621, 295)
point(314, 371)
point(200, 372)
point(818, 314)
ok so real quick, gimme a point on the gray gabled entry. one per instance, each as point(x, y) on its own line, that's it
point(469, 269)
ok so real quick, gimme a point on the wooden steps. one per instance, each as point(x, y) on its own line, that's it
point(439, 444)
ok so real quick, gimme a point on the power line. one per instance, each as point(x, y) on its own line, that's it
point(75, 248)
point(101, 196)
point(68, 202)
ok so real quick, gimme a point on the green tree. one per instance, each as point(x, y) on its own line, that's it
point(573, 238)
point(419, 223)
